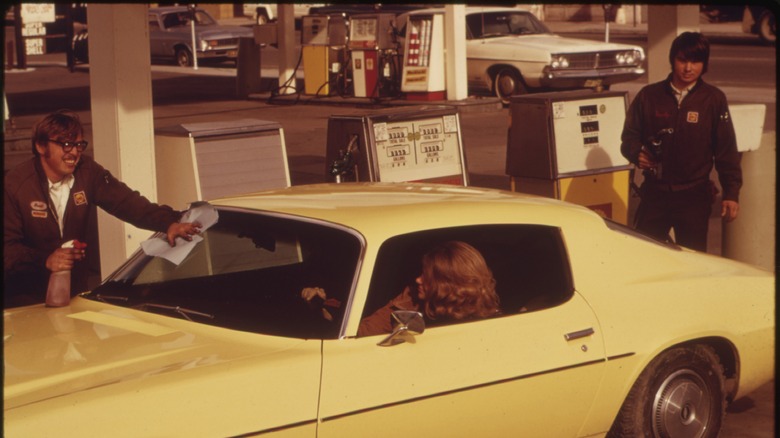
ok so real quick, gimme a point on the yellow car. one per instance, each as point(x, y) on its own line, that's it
point(601, 331)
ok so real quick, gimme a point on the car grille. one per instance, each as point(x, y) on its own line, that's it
point(228, 42)
point(594, 60)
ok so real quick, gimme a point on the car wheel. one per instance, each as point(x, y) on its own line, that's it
point(766, 27)
point(680, 394)
point(183, 57)
point(508, 83)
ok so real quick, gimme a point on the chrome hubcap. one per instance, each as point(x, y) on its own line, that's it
point(682, 406)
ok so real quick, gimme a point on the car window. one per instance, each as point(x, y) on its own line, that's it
point(529, 263)
point(183, 18)
point(495, 24)
point(247, 274)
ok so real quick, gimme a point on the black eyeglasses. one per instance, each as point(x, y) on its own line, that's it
point(68, 146)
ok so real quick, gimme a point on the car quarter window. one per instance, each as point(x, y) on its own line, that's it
point(529, 263)
point(247, 274)
point(474, 25)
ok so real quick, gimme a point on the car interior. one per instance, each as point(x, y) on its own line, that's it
point(529, 263)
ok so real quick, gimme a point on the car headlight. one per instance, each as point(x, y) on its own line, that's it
point(204, 45)
point(628, 58)
point(559, 61)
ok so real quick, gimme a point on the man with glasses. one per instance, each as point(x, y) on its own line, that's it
point(50, 199)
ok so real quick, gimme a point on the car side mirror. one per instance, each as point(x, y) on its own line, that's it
point(408, 322)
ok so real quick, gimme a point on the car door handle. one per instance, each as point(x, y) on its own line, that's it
point(579, 334)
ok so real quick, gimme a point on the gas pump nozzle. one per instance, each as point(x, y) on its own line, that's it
point(653, 147)
point(345, 164)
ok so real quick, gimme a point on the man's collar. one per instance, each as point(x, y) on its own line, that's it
point(68, 180)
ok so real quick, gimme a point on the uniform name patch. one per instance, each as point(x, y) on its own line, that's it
point(38, 205)
point(80, 198)
point(40, 214)
point(693, 117)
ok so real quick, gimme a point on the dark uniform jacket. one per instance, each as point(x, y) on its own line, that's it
point(703, 134)
point(31, 232)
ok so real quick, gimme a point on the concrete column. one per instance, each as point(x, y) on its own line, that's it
point(122, 120)
point(456, 79)
point(287, 53)
point(751, 237)
point(664, 23)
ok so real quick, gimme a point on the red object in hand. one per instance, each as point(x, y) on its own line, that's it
point(79, 245)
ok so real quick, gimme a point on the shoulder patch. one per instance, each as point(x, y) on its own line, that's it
point(693, 117)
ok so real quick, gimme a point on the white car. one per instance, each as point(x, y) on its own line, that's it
point(267, 12)
point(509, 51)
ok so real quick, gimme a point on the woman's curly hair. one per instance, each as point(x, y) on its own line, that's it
point(457, 283)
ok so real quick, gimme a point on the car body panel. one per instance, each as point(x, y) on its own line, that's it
point(632, 299)
point(104, 358)
point(394, 390)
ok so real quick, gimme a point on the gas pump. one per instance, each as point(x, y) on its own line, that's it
point(397, 145)
point(323, 41)
point(566, 145)
point(373, 55)
point(423, 65)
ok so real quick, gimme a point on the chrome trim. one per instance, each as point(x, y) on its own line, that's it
point(579, 334)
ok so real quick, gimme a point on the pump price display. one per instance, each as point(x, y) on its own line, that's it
point(419, 149)
point(588, 133)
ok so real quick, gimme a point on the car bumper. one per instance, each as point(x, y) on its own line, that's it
point(588, 78)
point(231, 53)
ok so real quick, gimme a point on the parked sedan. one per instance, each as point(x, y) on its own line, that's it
point(600, 329)
point(509, 51)
point(170, 37)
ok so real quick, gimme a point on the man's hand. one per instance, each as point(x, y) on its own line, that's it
point(308, 293)
point(729, 210)
point(646, 160)
point(184, 230)
point(62, 259)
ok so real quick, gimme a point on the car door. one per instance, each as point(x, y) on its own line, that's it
point(532, 374)
point(533, 371)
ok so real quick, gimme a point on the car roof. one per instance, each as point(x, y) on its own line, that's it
point(162, 9)
point(470, 10)
point(408, 207)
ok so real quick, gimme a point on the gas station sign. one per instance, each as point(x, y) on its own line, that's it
point(34, 15)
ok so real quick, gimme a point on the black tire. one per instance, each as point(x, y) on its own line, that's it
point(766, 27)
point(184, 57)
point(508, 83)
point(680, 394)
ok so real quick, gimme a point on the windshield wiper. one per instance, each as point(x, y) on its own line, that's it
point(180, 310)
point(105, 298)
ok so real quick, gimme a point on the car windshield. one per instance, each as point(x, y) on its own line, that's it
point(246, 274)
point(184, 18)
point(498, 24)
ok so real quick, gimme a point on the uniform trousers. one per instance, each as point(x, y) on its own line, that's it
point(687, 211)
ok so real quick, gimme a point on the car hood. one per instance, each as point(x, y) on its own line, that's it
point(223, 31)
point(52, 352)
point(554, 44)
